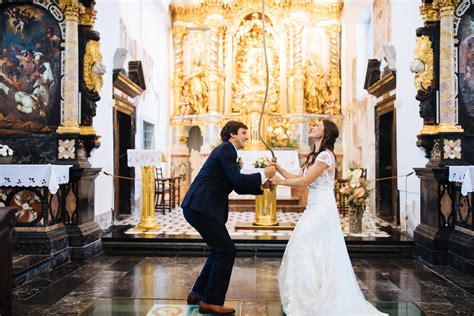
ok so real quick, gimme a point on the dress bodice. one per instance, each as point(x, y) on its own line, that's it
point(326, 180)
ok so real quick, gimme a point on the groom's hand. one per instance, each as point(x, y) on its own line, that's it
point(269, 172)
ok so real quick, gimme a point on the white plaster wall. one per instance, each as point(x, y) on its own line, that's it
point(148, 22)
point(359, 136)
point(352, 14)
point(358, 124)
point(405, 21)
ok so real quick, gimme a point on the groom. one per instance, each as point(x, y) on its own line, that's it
point(206, 208)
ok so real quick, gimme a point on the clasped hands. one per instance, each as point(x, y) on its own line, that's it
point(270, 174)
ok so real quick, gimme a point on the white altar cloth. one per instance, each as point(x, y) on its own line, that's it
point(288, 159)
point(48, 175)
point(464, 175)
point(146, 157)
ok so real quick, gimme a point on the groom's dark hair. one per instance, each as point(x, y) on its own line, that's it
point(232, 127)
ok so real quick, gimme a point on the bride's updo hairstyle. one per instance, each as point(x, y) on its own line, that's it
point(331, 133)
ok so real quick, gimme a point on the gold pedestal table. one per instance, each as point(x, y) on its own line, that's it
point(147, 160)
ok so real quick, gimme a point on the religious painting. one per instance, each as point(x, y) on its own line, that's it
point(465, 71)
point(30, 67)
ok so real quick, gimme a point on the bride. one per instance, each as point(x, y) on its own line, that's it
point(316, 275)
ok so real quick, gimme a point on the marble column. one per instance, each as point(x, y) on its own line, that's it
point(179, 32)
point(70, 119)
point(447, 106)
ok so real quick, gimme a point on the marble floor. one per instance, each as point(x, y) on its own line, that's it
point(173, 223)
point(116, 285)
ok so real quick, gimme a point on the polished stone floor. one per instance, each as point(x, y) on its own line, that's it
point(115, 285)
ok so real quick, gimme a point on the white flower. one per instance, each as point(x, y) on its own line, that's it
point(5, 151)
point(355, 178)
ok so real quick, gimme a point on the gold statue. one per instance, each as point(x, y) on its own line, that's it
point(249, 85)
point(281, 135)
point(195, 90)
point(315, 87)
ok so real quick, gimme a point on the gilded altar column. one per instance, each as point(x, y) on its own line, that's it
point(179, 32)
point(213, 77)
point(447, 106)
point(298, 66)
point(334, 81)
point(70, 117)
point(221, 69)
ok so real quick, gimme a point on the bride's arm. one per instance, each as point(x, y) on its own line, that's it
point(302, 181)
point(285, 173)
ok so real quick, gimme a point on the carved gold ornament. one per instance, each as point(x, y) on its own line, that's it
point(428, 12)
point(423, 66)
point(88, 17)
point(93, 67)
point(445, 7)
point(72, 9)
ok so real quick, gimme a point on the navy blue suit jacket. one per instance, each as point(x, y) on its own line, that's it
point(220, 174)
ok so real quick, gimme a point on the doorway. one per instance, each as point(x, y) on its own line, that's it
point(124, 139)
point(386, 161)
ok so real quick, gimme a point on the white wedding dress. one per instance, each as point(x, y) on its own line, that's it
point(316, 275)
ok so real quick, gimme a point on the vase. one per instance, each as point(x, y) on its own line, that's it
point(355, 219)
point(5, 160)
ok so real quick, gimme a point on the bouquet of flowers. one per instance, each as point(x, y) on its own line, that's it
point(262, 162)
point(356, 191)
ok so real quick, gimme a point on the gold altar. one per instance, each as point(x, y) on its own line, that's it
point(219, 68)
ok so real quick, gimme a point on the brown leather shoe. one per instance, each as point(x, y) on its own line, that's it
point(205, 308)
point(193, 299)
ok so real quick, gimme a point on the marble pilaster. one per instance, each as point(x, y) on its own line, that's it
point(70, 117)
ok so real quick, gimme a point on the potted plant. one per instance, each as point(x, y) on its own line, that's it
point(356, 191)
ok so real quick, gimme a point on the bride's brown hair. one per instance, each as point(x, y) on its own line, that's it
point(331, 133)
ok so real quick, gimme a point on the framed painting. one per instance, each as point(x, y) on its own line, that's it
point(31, 71)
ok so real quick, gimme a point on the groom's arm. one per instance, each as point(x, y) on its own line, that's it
point(242, 183)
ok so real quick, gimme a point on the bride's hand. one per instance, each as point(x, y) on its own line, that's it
point(277, 166)
point(276, 180)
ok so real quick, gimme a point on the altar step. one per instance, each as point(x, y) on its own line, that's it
point(283, 205)
point(117, 242)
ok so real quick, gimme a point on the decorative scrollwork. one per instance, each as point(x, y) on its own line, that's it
point(93, 66)
point(423, 66)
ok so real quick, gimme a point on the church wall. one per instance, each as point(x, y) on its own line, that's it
point(405, 20)
point(142, 28)
point(392, 23)
point(358, 136)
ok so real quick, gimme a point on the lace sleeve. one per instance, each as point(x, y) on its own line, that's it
point(326, 158)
